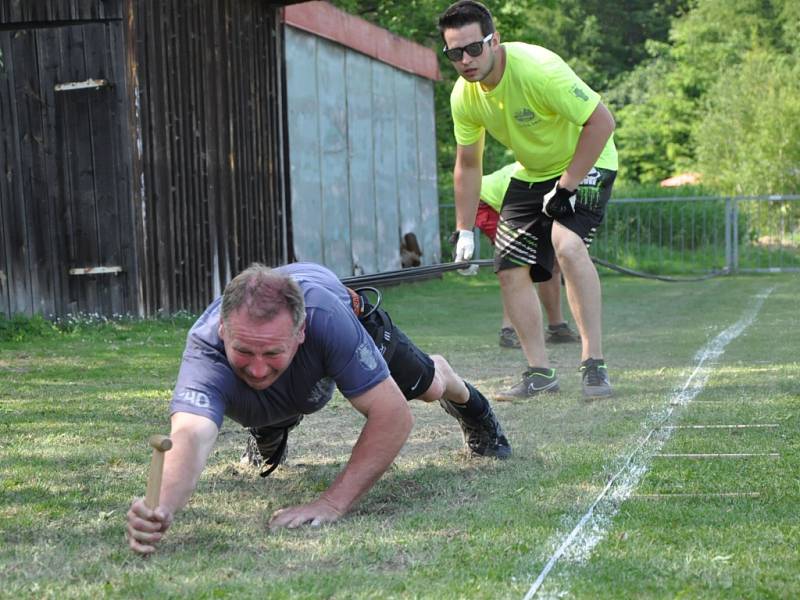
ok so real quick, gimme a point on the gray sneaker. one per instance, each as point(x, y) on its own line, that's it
point(508, 338)
point(533, 383)
point(594, 377)
point(561, 334)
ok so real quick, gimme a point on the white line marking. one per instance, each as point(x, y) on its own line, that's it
point(743, 426)
point(698, 495)
point(625, 480)
point(716, 454)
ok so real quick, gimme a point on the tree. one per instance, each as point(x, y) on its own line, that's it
point(748, 141)
point(661, 101)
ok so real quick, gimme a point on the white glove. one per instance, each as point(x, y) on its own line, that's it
point(465, 247)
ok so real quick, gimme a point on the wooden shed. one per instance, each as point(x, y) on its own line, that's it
point(362, 141)
point(145, 156)
point(142, 149)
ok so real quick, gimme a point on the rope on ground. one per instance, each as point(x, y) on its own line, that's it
point(632, 273)
point(426, 272)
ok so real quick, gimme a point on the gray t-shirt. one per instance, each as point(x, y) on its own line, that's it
point(337, 351)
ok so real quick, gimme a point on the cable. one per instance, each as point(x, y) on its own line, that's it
point(631, 272)
point(417, 273)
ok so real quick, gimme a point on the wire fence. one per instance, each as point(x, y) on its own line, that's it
point(689, 235)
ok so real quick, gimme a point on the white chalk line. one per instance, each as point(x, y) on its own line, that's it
point(717, 454)
point(737, 426)
point(625, 480)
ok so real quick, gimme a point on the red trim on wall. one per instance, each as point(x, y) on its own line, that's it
point(327, 21)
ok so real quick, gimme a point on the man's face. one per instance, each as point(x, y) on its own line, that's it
point(259, 352)
point(472, 68)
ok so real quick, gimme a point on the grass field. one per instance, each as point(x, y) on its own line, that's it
point(77, 407)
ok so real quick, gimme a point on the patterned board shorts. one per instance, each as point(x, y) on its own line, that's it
point(523, 232)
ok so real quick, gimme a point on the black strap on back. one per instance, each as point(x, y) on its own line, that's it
point(378, 324)
point(274, 461)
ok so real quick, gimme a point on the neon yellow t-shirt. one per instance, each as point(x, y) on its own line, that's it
point(494, 185)
point(537, 110)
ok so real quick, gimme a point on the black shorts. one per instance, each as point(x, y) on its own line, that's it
point(524, 232)
point(411, 368)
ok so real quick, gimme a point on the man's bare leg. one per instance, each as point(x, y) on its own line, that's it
point(583, 289)
point(550, 295)
point(522, 304)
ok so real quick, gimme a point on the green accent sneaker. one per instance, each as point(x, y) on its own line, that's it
point(508, 338)
point(533, 382)
point(595, 378)
point(561, 334)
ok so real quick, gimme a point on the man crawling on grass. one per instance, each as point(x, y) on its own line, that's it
point(271, 350)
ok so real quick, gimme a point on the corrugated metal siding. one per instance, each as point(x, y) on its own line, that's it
point(362, 155)
point(212, 192)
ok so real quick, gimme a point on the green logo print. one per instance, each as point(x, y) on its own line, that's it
point(525, 116)
point(578, 92)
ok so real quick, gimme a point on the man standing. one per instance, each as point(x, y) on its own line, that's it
point(493, 190)
point(272, 349)
point(529, 100)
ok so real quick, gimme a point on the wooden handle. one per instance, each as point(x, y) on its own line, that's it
point(160, 444)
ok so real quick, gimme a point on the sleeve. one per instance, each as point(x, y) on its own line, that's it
point(197, 390)
point(352, 358)
point(567, 95)
point(467, 130)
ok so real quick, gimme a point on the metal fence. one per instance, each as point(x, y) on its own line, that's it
point(690, 235)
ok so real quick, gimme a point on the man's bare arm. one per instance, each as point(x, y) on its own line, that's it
point(596, 131)
point(467, 176)
point(389, 422)
point(193, 438)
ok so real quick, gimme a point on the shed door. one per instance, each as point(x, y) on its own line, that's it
point(71, 189)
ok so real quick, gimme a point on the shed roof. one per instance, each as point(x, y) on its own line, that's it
point(327, 21)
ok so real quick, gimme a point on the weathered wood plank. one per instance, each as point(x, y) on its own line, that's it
point(53, 266)
point(362, 192)
point(15, 296)
point(407, 168)
point(385, 167)
point(333, 157)
point(29, 106)
point(428, 237)
point(304, 146)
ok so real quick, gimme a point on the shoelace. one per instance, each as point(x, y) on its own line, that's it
point(593, 375)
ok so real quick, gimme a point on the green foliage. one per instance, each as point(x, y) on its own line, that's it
point(748, 142)
point(695, 93)
point(18, 328)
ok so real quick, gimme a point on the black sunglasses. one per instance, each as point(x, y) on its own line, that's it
point(473, 49)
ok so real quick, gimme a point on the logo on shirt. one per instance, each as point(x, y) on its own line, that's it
point(366, 356)
point(195, 397)
point(579, 92)
point(322, 391)
point(525, 116)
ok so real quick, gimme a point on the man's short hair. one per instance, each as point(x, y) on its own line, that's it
point(264, 293)
point(463, 13)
